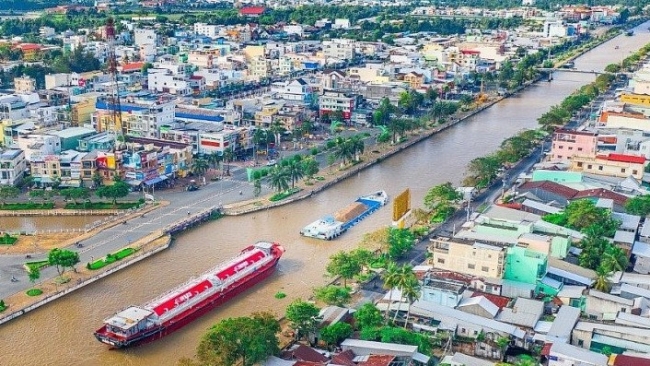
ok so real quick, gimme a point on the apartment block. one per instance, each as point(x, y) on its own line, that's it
point(469, 257)
point(614, 165)
point(567, 143)
point(12, 166)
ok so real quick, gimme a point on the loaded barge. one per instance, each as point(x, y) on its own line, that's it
point(142, 324)
point(331, 226)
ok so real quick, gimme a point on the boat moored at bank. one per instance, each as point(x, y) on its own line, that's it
point(331, 226)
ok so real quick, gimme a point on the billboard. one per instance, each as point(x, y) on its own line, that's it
point(401, 205)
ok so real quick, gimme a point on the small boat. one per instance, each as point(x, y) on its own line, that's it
point(142, 324)
point(331, 226)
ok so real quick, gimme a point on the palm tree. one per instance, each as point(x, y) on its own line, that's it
point(276, 129)
point(391, 279)
point(345, 150)
point(258, 137)
point(614, 259)
point(405, 279)
point(602, 280)
point(411, 292)
point(357, 146)
point(279, 178)
point(227, 158)
point(295, 171)
point(214, 159)
point(200, 166)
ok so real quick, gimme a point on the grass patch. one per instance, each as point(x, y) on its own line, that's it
point(3, 306)
point(319, 177)
point(280, 295)
point(34, 292)
point(282, 195)
point(110, 258)
point(7, 239)
point(27, 206)
point(364, 277)
point(31, 266)
point(101, 205)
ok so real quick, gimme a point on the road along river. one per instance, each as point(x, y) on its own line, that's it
point(61, 332)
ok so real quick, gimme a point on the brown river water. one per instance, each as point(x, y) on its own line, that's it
point(61, 333)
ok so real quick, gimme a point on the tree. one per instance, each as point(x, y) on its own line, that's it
point(444, 193)
point(601, 283)
point(593, 246)
point(335, 333)
point(228, 157)
point(34, 274)
point(295, 171)
point(62, 258)
point(481, 171)
point(614, 259)
point(391, 278)
point(400, 241)
point(639, 205)
point(367, 316)
point(97, 179)
point(118, 189)
point(310, 167)
point(244, 340)
point(257, 187)
point(200, 166)
point(303, 317)
point(279, 178)
point(7, 192)
point(333, 295)
point(406, 282)
point(214, 159)
point(343, 264)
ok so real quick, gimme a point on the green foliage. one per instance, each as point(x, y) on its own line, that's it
point(28, 206)
point(34, 274)
point(7, 192)
point(442, 194)
point(110, 258)
point(200, 166)
point(345, 265)
point(333, 295)
point(75, 194)
point(257, 187)
point(280, 295)
point(388, 334)
point(367, 316)
point(34, 292)
point(7, 239)
point(336, 333)
point(303, 317)
point(240, 341)
point(282, 195)
point(38, 265)
point(102, 205)
point(118, 189)
point(279, 178)
point(313, 151)
point(400, 241)
point(639, 205)
point(583, 215)
point(62, 259)
point(3, 306)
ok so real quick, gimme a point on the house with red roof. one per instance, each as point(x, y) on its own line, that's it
point(131, 67)
point(613, 165)
point(252, 11)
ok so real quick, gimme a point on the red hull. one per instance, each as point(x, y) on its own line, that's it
point(199, 309)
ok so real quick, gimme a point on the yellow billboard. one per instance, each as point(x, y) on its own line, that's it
point(110, 161)
point(401, 205)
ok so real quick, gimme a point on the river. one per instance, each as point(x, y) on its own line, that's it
point(61, 332)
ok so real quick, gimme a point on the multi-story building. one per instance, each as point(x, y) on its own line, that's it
point(260, 67)
point(614, 165)
point(297, 90)
point(342, 49)
point(25, 85)
point(201, 59)
point(525, 265)
point(165, 81)
point(330, 101)
point(208, 30)
point(12, 166)
point(469, 257)
point(141, 117)
point(264, 117)
point(567, 143)
point(142, 36)
point(46, 170)
point(71, 168)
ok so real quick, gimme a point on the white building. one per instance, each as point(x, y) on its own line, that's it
point(142, 36)
point(562, 354)
point(208, 30)
point(164, 81)
point(37, 146)
point(341, 24)
point(343, 49)
point(554, 28)
point(12, 166)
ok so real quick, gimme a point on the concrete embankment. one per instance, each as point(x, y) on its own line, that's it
point(20, 304)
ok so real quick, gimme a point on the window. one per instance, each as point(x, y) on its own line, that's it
point(471, 266)
point(580, 342)
point(441, 260)
point(622, 170)
point(589, 166)
point(635, 172)
point(570, 147)
point(600, 167)
point(485, 268)
point(579, 149)
point(622, 310)
point(579, 165)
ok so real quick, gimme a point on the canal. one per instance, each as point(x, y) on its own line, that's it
point(61, 332)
